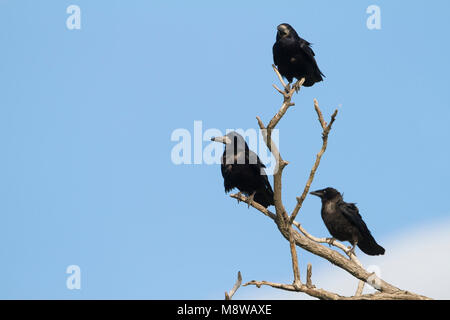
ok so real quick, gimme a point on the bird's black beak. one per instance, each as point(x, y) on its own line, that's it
point(317, 193)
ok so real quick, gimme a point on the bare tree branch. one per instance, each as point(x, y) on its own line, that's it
point(360, 288)
point(308, 276)
point(229, 295)
point(317, 293)
point(331, 242)
point(267, 135)
point(280, 77)
point(287, 97)
point(337, 244)
point(303, 239)
point(297, 281)
point(327, 295)
point(351, 266)
point(326, 130)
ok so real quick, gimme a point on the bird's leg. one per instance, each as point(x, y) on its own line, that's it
point(288, 87)
point(250, 199)
point(239, 194)
point(296, 86)
point(352, 249)
point(330, 241)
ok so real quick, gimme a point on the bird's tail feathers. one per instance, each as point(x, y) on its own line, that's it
point(264, 198)
point(369, 246)
point(317, 76)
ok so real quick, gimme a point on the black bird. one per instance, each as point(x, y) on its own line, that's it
point(242, 169)
point(294, 57)
point(344, 222)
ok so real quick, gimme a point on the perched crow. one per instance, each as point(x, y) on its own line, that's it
point(242, 169)
point(344, 222)
point(294, 57)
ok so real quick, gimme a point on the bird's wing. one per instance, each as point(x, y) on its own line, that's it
point(366, 243)
point(227, 169)
point(294, 46)
point(306, 47)
point(303, 50)
point(276, 53)
point(252, 158)
point(259, 170)
point(351, 212)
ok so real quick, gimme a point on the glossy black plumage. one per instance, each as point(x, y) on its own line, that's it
point(344, 222)
point(294, 57)
point(242, 169)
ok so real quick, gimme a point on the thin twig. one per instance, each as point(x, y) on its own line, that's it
point(326, 131)
point(280, 77)
point(278, 89)
point(360, 288)
point(319, 114)
point(229, 295)
point(287, 97)
point(297, 281)
point(308, 276)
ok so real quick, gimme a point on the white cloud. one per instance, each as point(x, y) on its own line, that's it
point(416, 260)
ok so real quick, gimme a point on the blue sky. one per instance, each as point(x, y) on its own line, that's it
point(86, 118)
